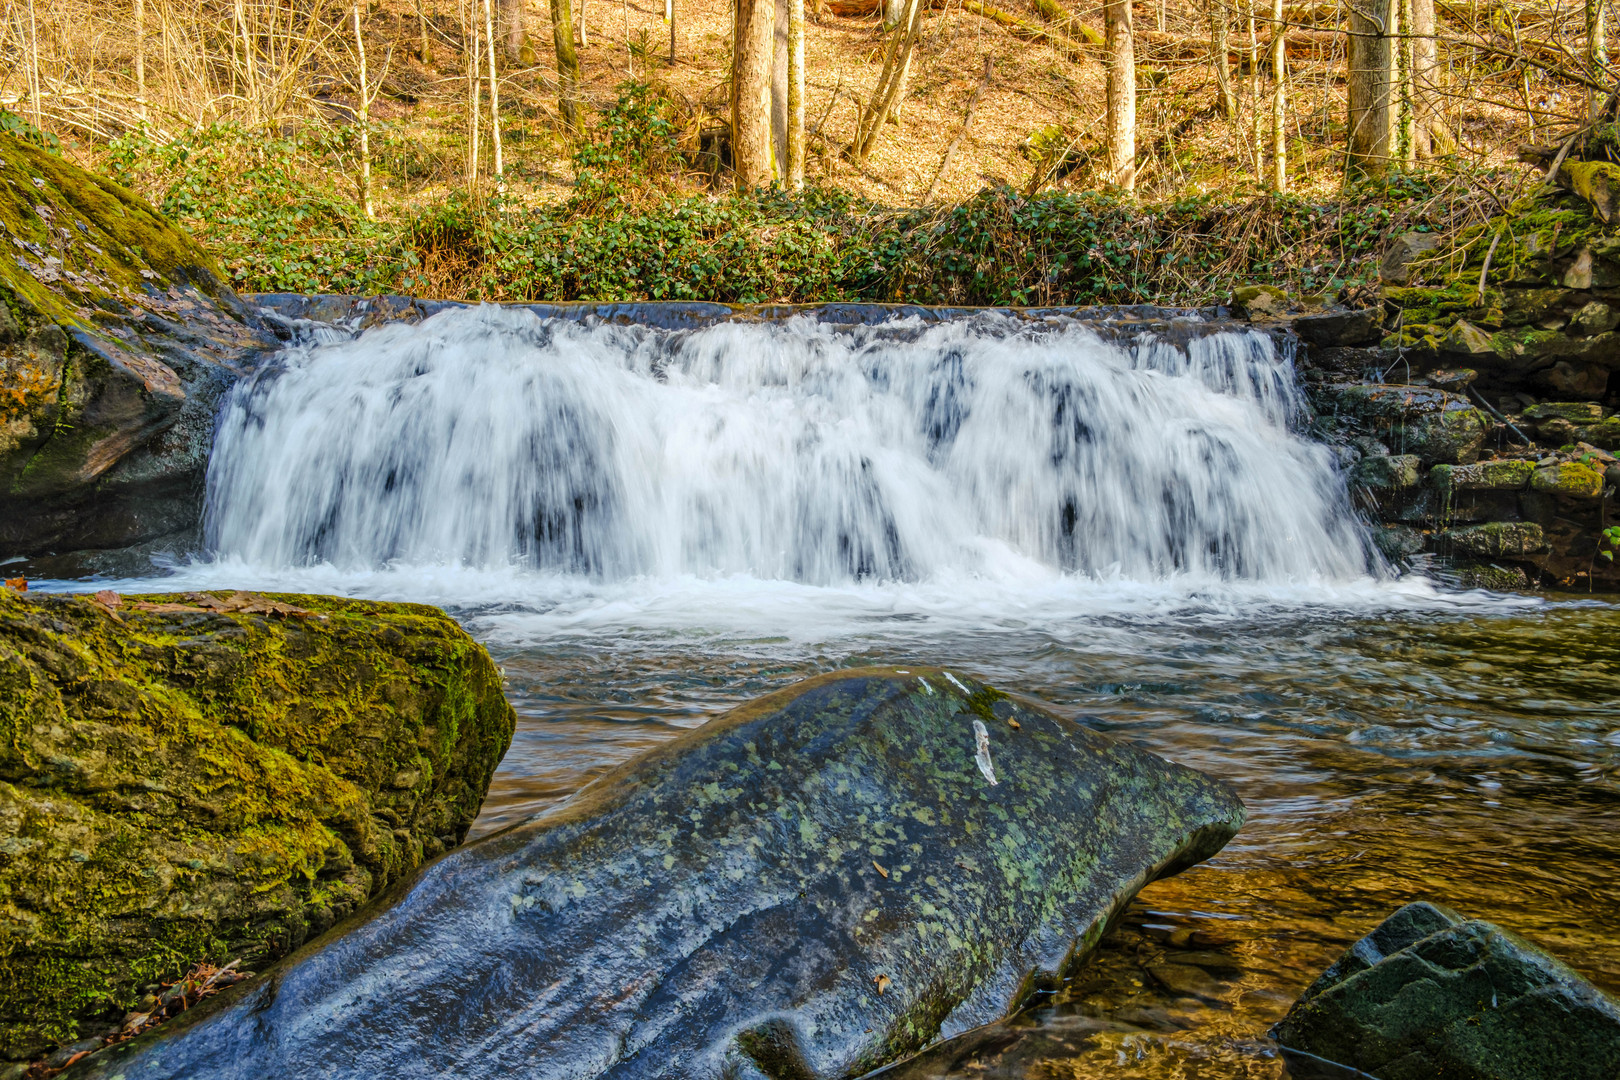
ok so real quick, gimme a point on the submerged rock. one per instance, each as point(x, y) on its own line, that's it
point(213, 777)
point(1430, 993)
point(811, 886)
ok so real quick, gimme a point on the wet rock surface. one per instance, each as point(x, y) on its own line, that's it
point(810, 886)
point(1431, 993)
point(216, 777)
point(117, 338)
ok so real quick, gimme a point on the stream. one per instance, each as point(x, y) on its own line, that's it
point(647, 528)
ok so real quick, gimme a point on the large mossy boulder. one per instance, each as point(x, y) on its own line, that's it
point(117, 338)
point(1430, 993)
point(808, 887)
point(214, 776)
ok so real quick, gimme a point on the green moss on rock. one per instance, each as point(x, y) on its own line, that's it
point(1482, 476)
point(1497, 539)
point(1570, 479)
point(186, 785)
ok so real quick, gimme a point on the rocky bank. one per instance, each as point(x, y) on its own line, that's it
point(117, 338)
point(1470, 398)
point(216, 776)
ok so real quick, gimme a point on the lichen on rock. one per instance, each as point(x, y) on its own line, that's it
point(188, 782)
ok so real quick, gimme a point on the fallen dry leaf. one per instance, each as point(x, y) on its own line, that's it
point(879, 869)
point(1016, 726)
point(18, 583)
point(882, 982)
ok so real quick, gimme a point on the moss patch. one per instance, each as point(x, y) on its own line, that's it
point(178, 786)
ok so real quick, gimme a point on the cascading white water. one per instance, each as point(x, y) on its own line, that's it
point(488, 437)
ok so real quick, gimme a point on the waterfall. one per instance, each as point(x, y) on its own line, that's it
point(792, 450)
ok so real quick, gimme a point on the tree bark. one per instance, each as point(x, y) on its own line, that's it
point(795, 139)
point(669, 17)
point(753, 37)
point(562, 36)
point(1121, 94)
point(474, 90)
point(514, 18)
point(1368, 84)
point(1279, 100)
point(780, 76)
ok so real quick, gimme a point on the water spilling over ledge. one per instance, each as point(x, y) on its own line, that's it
point(822, 448)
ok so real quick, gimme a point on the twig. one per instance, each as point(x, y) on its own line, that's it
point(1486, 269)
point(1479, 398)
point(967, 122)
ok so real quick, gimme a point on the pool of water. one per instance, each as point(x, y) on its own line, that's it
point(1467, 754)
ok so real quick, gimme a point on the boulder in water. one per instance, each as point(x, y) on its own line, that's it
point(215, 777)
point(1431, 993)
point(809, 887)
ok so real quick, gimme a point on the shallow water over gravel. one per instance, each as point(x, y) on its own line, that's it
point(1468, 757)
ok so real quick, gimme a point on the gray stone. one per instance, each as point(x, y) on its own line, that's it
point(1340, 327)
point(809, 887)
point(1392, 472)
point(1570, 479)
point(1452, 380)
point(1431, 994)
point(1584, 380)
point(1397, 541)
point(1397, 267)
point(1466, 339)
point(1497, 539)
point(1595, 317)
point(1578, 412)
point(1508, 475)
point(1579, 275)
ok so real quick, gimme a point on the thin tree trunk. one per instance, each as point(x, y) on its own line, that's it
point(1368, 85)
point(629, 57)
point(780, 77)
point(1121, 94)
point(889, 82)
point(140, 55)
point(33, 69)
point(753, 34)
point(1425, 77)
point(1405, 104)
point(1279, 99)
point(250, 73)
point(1256, 140)
point(584, 38)
point(1221, 39)
point(474, 90)
point(562, 36)
point(795, 139)
point(1597, 54)
point(669, 17)
point(365, 118)
point(967, 125)
point(425, 52)
point(494, 91)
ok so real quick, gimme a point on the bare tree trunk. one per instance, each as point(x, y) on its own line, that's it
point(474, 89)
point(967, 125)
point(33, 69)
point(779, 88)
point(1279, 99)
point(1256, 142)
point(140, 55)
point(669, 17)
point(795, 139)
point(365, 118)
point(1121, 94)
point(584, 38)
point(890, 79)
point(1597, 54)
point(629, 57)
point(562, 35)
point(1368, 84)
point(494, 91)
point(250, 67)
point(1404, 103)
point(1220, 35)
point(425, 54)
point(1425, 77)
point(753, 35)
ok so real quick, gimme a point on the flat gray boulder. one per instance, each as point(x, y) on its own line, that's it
point(1430, 993)
point(811, 886)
